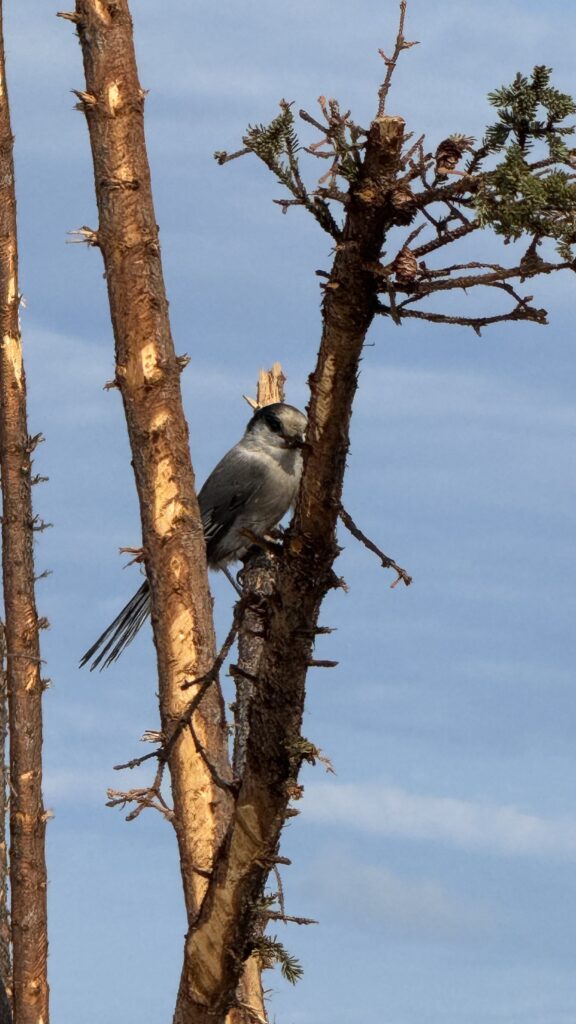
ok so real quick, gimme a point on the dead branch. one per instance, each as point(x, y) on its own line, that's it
point(521, 312)
point(150, 796)
point(421, 287)
point(162, 753)
point(275, 915)
point(447, 238)
point(230, 787)
point(465, 187)
point(223, 158)
point(387, 563)
point(390, 62)
point(280, 892)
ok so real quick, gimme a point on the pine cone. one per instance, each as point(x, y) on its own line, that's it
point(405, 266)
point(450, 152)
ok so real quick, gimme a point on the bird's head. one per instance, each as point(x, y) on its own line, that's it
point(278, 425)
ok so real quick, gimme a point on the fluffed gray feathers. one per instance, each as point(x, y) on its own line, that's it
point(252, 488)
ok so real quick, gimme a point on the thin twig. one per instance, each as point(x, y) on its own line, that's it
point(442, 193)
point(393, 307)
point(496, 279)
point(415, 147)
point(230, 787)
point(312, 120)
point(163, 752)
point(223, 158)
point(387, 563)
point(472, 265)
point(151, 796)
point(281, 903)
point(224, 650)
point(401, 44)
point(275, 915)
point(522, 312)
point(413, 234)
point(456, 213)
point(450, 236)
point(432, 220)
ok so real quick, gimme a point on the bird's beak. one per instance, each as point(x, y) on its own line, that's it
point(294, 442)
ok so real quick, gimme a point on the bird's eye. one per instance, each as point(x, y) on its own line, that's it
point(274, 424)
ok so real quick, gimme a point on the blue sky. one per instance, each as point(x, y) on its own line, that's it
point(440, 859)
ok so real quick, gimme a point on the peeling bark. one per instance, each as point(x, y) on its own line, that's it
point(147, 374)
point(27, 817)
point(5, 930)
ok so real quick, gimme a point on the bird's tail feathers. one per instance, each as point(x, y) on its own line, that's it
point(121, 632)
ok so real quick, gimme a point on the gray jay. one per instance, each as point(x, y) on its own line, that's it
point(251, 489)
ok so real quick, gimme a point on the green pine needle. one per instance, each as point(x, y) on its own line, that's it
point(272, 952)
point(513, 198)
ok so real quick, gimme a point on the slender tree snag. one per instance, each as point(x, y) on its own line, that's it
point(257, 581)
point(147, 373)
point(274, 748)
point(5, 931)
point(27, 817)
point(270, 387)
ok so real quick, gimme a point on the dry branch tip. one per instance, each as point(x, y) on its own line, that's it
point(85, 236)
point(387, 563)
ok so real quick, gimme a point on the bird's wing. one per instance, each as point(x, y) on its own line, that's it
point(120, 632)
point(228, 488)
point(234, 482)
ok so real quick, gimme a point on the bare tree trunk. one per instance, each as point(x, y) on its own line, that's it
point(147, 373)
point(27, 817)
point(5, 931)
point(274, 748)
point(257, 582)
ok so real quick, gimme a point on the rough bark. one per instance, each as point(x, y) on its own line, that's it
point(5, 931)
point(27, 817)
point(147, 374)
point(274, 749)
point(257, 582)
point(249, 1005)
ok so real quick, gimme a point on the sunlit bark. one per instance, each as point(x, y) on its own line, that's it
point(27, 817)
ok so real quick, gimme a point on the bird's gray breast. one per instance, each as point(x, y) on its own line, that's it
point(248, 490)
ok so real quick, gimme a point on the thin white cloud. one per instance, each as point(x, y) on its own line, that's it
point(402, 906)
point(61, 786)
point(65, 371)
point(474, 825)
point(88, 785)
point(392, 392)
